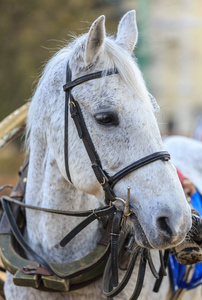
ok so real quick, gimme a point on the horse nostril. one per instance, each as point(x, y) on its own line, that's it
point(164, 227)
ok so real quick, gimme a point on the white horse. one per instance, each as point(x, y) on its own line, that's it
point(186, 154)
point(120, 118)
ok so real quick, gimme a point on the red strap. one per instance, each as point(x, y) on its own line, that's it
point(187, 185)
point(180, 175)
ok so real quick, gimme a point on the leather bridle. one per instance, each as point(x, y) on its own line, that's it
point(113, 220)
point(107, 182)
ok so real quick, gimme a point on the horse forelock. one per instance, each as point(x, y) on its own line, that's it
point(117, 57)
point(111, 56)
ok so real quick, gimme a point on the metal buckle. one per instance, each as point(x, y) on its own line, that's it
point(126, 212)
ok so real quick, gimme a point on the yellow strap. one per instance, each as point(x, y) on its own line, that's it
point(13, 124)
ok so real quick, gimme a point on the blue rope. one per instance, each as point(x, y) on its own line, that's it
point(176, 270)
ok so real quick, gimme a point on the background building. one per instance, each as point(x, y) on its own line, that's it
point(175, 70)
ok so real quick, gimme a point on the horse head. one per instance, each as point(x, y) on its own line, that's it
point(119, 115)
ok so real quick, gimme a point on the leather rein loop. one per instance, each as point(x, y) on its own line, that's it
point(107, 182)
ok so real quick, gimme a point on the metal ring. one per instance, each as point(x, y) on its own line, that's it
point(104, 180)
point(115, 234)
point(72, 104)
point(120, 199)
point(96, 215)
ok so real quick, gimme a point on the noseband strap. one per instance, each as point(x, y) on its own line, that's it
point(107, 182)
point(161, 155)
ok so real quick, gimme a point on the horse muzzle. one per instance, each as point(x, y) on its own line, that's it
point(159, 232)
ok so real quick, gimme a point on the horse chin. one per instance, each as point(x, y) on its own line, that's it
point(159, 243)
point(139, 234)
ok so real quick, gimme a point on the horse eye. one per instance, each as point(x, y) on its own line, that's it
point(107, 118)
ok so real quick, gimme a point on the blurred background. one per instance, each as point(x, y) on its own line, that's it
point(169, 54)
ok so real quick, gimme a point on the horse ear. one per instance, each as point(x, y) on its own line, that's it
point(156, 108)
point(127, 31)
point(95, 39)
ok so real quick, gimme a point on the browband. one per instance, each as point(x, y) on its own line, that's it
point(88, 77)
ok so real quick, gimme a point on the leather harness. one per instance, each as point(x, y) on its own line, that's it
point(116, 236)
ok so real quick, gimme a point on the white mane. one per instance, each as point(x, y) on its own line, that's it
point(49, 69)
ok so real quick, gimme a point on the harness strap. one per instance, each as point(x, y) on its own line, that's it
point(66, 142)
point(84, 213)
point(49, 266)
point(96, 214)
point(20, 238)
point(162, 271)
point(114, 246)
point(107, 277)
point(140, 277)
point(105, 284)
point(151, 264)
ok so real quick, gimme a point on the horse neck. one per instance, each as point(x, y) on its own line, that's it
point(46, 187)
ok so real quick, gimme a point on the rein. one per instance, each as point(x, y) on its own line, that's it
point(19, 237)
point(119, 242)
